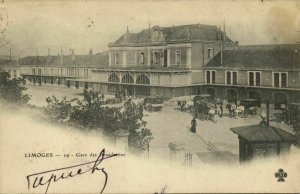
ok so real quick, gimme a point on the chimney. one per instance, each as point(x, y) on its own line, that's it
point(10, 54)
point(73, 54)
point(90, 52)
point(61, 57)
point(224, 36)
point(221, 48)
point(126, 35)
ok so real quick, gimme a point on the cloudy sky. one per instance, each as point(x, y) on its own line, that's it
point(31, 27)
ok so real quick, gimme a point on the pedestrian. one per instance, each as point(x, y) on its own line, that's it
point(221, 110)
point(233, 110)
point(228, 106)
point(194, 124)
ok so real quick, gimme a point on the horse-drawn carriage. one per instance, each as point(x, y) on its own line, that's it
point(153, 103)
point(204, 108)
point(185, 103)
point(250, 105)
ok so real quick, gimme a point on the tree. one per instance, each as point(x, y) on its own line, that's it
point(11, 90)
point(59, 110)
point(90, 114)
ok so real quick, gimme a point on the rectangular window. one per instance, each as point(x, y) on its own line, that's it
point(213, 77)
point(283, 80)
point(178, 58)
point(251, 78)
point(77, 72)
point(254, 78)
point(209, 53)
point(257, 78)
point(210, 77)
point(228, 77)
point(117, 58)
point(86, 73)
point(39, 71)
point(33, 71)
point(234, 78)
point(280, 79)
point(156, 57)
point(207, 76)
point(231, 77)
point(276, 79)
point(142, 58)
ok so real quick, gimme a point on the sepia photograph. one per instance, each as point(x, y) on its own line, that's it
point(149, 96)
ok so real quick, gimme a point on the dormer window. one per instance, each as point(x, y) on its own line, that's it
point(156, 33)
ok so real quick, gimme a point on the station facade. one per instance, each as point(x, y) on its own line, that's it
point(174, 61)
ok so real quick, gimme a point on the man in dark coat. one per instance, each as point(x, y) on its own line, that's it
point(221, 110)
point(194, 124)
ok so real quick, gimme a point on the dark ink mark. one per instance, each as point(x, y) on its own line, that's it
point(163, 190)
point(78, 169)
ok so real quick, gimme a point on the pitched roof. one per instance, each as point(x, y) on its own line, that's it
point(183, 33)
point(263, 133)
point(259, 57)
point(96, 60)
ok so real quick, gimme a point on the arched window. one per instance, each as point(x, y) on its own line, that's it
point(143, 79)
point(127, 78)
point(113, 78)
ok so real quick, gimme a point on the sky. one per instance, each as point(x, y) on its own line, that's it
point(32, 27)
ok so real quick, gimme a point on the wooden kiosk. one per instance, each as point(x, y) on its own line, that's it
point(259, 141)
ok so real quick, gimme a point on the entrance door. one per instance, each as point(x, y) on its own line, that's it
point(77, 84)
point(86, 85)
point(211, 92)
point(254, 95)
point(68, 83)
point(279, 100)
point(142, 91)
point(231, 95)
point(127, 90)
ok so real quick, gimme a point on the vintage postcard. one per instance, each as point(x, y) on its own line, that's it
point(149, 96)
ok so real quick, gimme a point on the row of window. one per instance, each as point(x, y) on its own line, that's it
point(280, 79)
point(70, 72)
point(156, 55)
point(155, 59)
